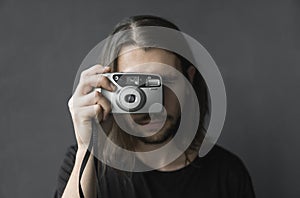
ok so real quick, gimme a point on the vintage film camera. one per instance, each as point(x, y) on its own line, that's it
point(135, 92)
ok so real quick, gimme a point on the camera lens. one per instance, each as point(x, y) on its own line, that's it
point(130, 98)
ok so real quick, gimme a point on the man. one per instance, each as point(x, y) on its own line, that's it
point(218, 174)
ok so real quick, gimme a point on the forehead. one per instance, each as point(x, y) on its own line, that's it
point(134, 59)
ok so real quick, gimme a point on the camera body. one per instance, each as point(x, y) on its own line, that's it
point(135, 92)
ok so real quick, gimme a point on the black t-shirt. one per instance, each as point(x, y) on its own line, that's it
point(219, 174)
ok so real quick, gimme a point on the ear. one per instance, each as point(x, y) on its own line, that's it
point(191, 73)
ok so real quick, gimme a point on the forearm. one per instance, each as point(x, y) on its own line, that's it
point(88, 179)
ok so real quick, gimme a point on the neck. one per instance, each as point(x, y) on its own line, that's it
point(183, 160)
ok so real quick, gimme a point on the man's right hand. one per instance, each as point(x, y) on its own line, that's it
point(86, 104)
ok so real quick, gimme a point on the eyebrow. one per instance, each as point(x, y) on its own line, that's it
point(169, 76)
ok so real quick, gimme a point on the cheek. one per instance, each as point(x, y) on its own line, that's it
point(171, 102)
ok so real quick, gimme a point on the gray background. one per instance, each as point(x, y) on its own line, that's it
point(255, 44)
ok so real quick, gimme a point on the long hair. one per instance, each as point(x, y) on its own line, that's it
point(137, 38)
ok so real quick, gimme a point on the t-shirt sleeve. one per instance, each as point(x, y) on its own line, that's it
point(240, 181)
point(65, 170)
point(234, 180)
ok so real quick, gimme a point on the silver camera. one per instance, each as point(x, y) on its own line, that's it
point(135, 93)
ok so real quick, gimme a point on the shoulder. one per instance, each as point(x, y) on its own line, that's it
point(65, 169)
point(224, 157)
point(72, 149)
point(231, 170)
point(227, 162)
point(69, 159)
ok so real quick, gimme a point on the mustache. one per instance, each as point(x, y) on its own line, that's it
point(145, 118)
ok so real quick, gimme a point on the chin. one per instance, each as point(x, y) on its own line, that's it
point(163, 136)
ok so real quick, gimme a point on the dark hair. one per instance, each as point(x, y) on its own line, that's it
point(199, 85)
point(139, 37)
point(136, 37)
point(109, 56)
point(143, 20)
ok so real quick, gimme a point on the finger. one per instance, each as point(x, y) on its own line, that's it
point(89, 82)
point(100, 81)
point(96, 69)
point(104, 103)
point(92, 111)
point(93, 98)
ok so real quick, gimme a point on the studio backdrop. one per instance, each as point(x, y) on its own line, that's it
point(255, 44)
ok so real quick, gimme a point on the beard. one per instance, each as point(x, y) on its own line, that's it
point(167, 132)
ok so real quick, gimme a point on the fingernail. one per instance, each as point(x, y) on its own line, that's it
point(106, 68)
point(113, 87)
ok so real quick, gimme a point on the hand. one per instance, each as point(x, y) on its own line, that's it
point(86, 104)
